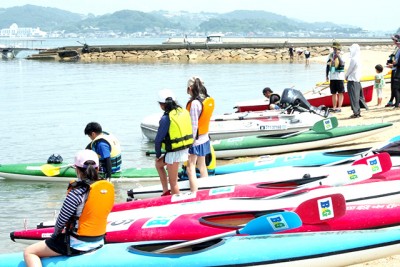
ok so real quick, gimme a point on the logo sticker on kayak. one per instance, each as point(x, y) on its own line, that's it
point(277, 222)
point(328, 124)
point(159, 221)
point(375, 165)
point(273, 127)
point(352, 174)
point(221, 190)
point(325, 208)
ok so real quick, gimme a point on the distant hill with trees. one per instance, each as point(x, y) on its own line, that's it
point(130, 21)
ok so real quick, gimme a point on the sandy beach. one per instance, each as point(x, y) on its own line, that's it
point(375, 114)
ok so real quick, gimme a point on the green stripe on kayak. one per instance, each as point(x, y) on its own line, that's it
point(247, 142)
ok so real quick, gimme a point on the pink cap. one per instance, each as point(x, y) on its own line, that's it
point(86, 155)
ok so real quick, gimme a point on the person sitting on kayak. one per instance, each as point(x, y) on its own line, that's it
point(107, 148)
point(81, 224)
point(274, 102)
point(175, 136)
point(267, 93)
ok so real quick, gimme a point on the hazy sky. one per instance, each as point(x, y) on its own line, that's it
point(368, 14)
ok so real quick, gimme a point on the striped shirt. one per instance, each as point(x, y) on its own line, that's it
point(73, 205)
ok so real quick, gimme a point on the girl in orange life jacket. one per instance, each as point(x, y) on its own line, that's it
point(175, 136)
point(85, 210)
point(201, 107)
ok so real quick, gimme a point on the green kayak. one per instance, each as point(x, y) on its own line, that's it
point(266, 145)
point(33, 172)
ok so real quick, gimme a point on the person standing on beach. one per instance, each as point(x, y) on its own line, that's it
point(201, 107)
point(379, 83)
point(353, 77)
point(335, 73)
point(392, 63)
point(175, 136)
point(291, 53)
point(307, 55)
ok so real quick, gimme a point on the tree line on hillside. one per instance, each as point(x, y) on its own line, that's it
point(130, 21)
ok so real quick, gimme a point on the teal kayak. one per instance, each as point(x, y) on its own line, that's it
point(265, 145)
point(335, 248)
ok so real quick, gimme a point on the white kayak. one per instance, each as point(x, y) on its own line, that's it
point(244, 124)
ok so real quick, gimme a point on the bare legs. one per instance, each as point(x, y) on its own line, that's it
point(33, 253)
point(162, 173)
point(172, 176)
point(191, 172)
point(337, 100)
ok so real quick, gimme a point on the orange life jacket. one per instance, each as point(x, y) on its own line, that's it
point(93, 219)
point(208, 105)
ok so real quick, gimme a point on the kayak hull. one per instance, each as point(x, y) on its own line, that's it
point(199, 225)
point(223, 128)
point(32, 172)
point(262, 145)
point(338, 248)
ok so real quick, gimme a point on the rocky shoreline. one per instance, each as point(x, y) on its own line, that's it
point(213, 54)
point(273, 51)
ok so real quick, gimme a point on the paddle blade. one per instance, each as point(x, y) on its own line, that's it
point(322, 209)
point(50, 170)
point(266, 224)
point(325, 125)
point(271, 223)
point(378, 163)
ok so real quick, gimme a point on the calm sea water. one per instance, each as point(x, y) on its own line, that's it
point(44, 107)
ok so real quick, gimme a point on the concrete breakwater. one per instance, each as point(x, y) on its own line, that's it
point(204, 52)
point(201, 55)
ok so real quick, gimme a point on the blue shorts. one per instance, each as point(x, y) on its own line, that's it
point(201, 150)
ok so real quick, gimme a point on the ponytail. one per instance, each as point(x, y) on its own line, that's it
point(89, 171)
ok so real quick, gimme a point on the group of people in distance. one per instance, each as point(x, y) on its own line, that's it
point(335, 74)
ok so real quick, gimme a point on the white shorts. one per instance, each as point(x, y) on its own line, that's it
point(177, 156)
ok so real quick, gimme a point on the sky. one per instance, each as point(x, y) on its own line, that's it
point(371, 15)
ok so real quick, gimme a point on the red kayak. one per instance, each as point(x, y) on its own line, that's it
point(325, 97)
point(199, 225)
point(258, 190)
point(321, 97)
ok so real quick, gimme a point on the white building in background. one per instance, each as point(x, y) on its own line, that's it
point(15, 31)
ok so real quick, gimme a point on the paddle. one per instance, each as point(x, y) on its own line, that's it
point(352, 174)
point(50, 170)
point(319, 127)
point(266, 224)
point(321, 209)
point(379, 163)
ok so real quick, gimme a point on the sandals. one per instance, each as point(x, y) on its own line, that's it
point(355, 116)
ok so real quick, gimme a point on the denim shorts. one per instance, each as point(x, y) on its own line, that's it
point(201, 150)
